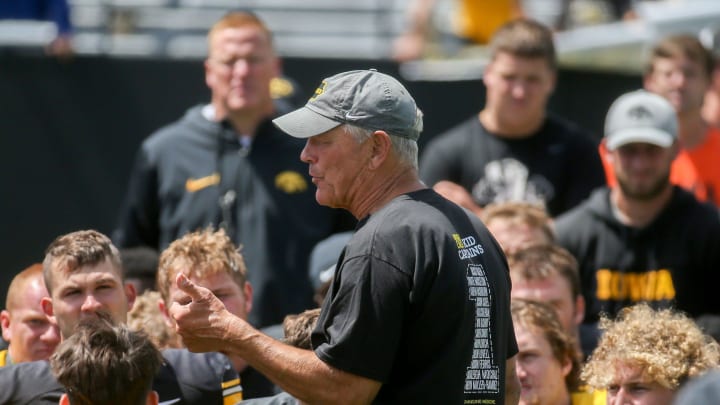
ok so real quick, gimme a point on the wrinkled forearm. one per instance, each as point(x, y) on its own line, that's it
point(299, 372)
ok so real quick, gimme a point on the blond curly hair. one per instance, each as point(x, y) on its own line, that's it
point(200, 254)
point(665, 344)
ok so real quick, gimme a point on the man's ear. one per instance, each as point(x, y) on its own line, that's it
point(675, 149)
point(248, 291)
point(381, 145)
point(607, 154)
point(130, 294)
point(164, 310)
point(648, 81)
point(153, 398)
point(579, 310)
point(5, 323)
point(567, 366)
point(47, 306)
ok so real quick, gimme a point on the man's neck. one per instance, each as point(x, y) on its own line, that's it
point(521, 128)
point(692, 129)
point(563, 398)
point(380, 194)
point(638, 213)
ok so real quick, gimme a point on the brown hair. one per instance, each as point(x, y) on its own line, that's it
point(106, 364)
point(201, 253)
point(689, 46)
point(71, 251)
point(525, 38)
point(538, 262)
point(542, 318)
point(520, 212)
point(298, 328)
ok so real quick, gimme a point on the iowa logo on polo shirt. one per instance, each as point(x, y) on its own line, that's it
point(290, 182)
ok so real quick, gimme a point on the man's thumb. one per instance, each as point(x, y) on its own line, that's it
point(186, 285)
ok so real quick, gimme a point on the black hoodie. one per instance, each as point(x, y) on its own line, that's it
point(672, 262)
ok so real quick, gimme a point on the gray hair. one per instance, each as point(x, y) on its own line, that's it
point(405, 148)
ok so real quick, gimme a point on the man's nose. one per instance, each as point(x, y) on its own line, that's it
point(305, 154)
point(241, 67)
point(90, 304)
point(620, 398)
point(519, 89)
point(520, 369)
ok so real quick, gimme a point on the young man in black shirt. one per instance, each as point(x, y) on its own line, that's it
point(513, 150)
point(418, 311)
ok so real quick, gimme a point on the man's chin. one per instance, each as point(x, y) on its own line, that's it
point(528, 398)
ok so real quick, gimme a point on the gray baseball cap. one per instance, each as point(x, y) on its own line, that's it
point(640, 116)
point(364, 98)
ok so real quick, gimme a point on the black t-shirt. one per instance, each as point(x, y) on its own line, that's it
point(420, 302)
point(557, 166)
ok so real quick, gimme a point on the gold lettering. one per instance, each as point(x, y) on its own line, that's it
point(193, 185)
point(635, 285)
point(665, 287)
point(618, 286)
point(604, 277)
point(653, 285)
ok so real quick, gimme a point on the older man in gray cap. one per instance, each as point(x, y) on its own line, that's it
point(418, 311)
point(643, 240)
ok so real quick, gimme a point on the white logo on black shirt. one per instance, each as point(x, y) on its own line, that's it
point(482, 376)
point(468, 247)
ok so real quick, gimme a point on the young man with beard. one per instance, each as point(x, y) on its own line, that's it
point(680, 70)
point(645, 239)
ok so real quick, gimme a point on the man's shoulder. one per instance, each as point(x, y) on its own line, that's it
point(34, 369)
point(195, 366)
point(198, 378)
point(416, 215)
point(191, 125)
point(29, 383)
point(685, 204)
point(568, 131)
point(461, 131)
point(583, 212)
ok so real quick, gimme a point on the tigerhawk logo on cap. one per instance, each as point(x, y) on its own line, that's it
point(320, 90)
point(640, 112)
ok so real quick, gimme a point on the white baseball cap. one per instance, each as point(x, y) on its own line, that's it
point(640, 116)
